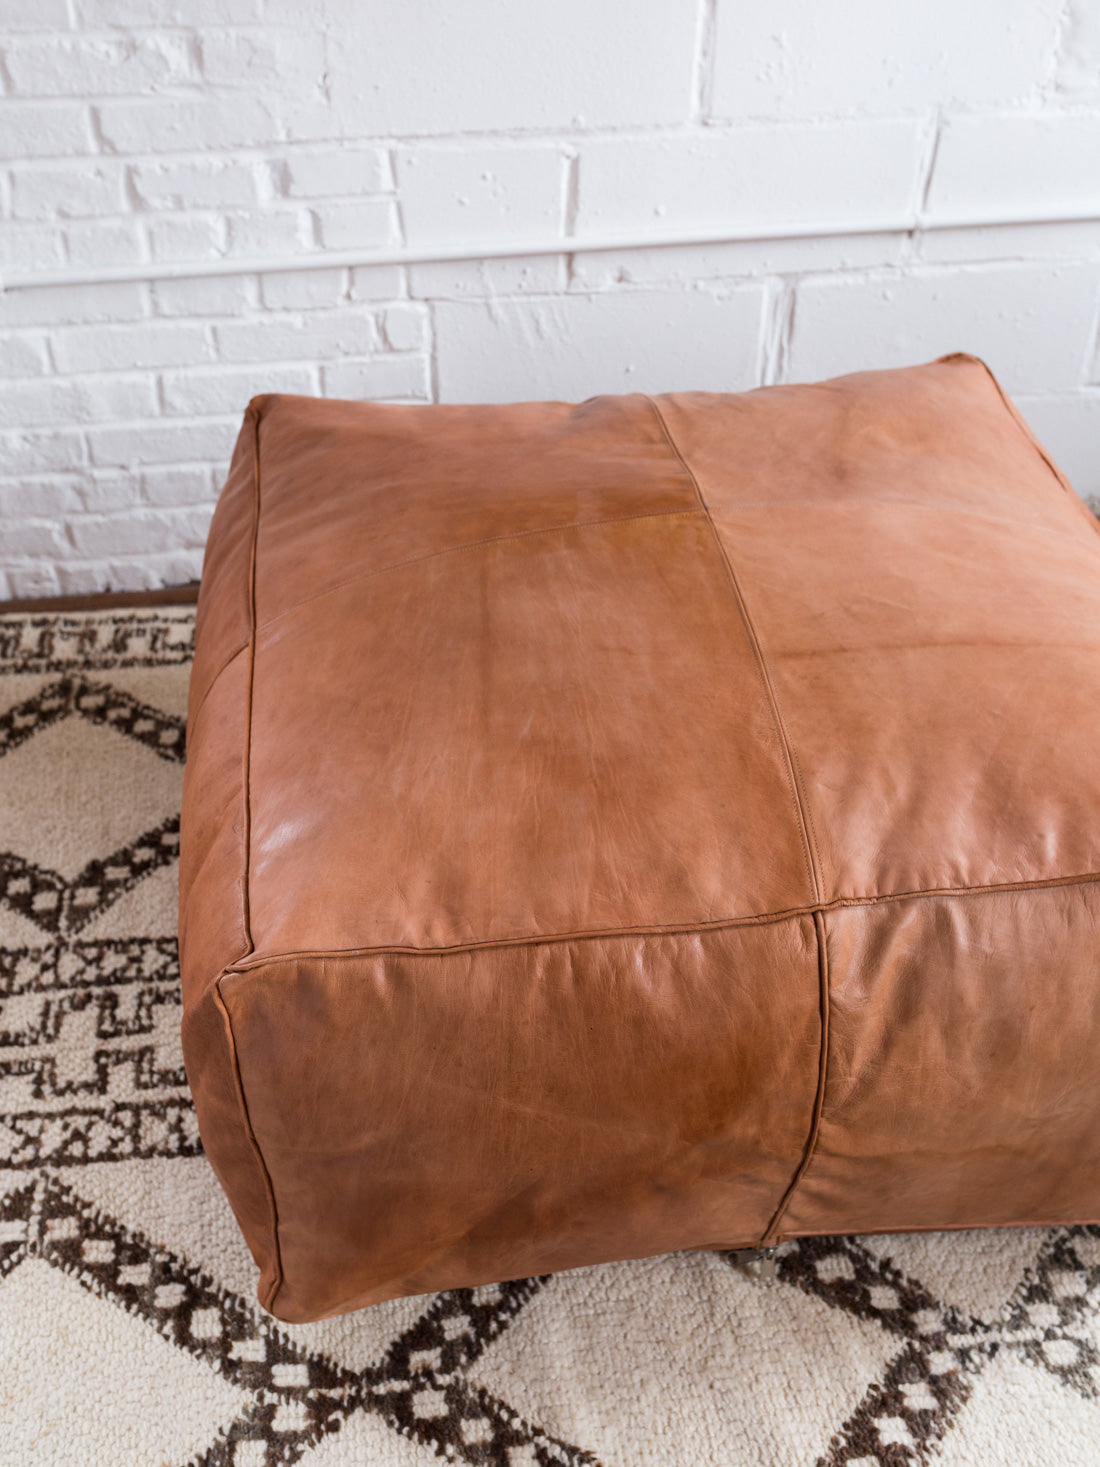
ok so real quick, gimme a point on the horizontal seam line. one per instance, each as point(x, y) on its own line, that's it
point(672, 929)
point(471, 545)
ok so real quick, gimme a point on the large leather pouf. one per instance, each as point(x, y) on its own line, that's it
point(639, 825)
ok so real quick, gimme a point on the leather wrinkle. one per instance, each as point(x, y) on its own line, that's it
point(472, 545)
point(226, 665)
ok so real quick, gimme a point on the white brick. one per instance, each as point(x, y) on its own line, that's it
point(1030, 323)
point(483, 279)
point(383, 378)
point(1069, 428)
point(60, 305)
point(296, 338)
point(23, 356)
point(179, 484)
point(59, 190)
point(102, 491)
point(204, 295)
point(42, 15)
point(45, 129)
point(94, 66)
point(345, 170)
point(1078, 63)
point(52, 498)
point(25, 537)
point(75, 400)
point(152, 344)
point(1054, 163)
point(104, 242)
point(163, 442)
point(376, 282)
point(458, 194)
point(163, 125)
point(270, 232)
point(292, 60)
point(303, 290)
point(790, 58)
point(405, 327)
point(752, 175)
point(483, 66)
point(135, 14)
point(28, 247)
point(143, 573)
point(200, 183)
point(36, 453)
point(33, 579)
point(220, 390)
point(185, 237)
point(577, 346)
point(354, 225)
point(141, 532)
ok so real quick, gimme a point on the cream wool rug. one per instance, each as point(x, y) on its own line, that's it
point(129, 1332)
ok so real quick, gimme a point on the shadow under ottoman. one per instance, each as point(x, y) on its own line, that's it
point(639, 825)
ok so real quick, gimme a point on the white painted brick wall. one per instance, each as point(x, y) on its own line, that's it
point(184, 131)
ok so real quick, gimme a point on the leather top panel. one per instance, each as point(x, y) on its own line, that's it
point(549, 734)
point(928, 596)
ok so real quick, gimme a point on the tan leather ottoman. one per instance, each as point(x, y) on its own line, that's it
point(641, 825)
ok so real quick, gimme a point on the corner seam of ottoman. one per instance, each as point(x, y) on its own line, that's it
point(246, 773)
point(1025, 430)
point(238, 1085)
point(770, 1235)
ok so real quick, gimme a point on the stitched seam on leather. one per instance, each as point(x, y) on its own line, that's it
point(238, 1083)
point(470, 545)
point(770, 1232)
point(247, 773)
point(805, 824)
point(672, 929)
point(1025, 431)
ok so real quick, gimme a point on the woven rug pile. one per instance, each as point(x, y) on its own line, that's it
point(129, 1331)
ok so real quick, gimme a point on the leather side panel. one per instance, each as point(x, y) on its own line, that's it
point(222, 619)
point(351, 488)
point(212, 901)
point(927, 593)
point(437, 1121)
point(962, 1085)
point(212, 931)
point(224, 1126)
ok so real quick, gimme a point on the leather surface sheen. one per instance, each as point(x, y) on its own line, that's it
point(639, 825)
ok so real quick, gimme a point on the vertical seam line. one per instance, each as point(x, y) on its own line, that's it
point(238, 1084)
point(806, 830)
point(246, 902)
point(770, 1235)
point(250, 946)
point(793, 771)
point(1025, 431)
